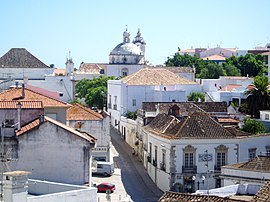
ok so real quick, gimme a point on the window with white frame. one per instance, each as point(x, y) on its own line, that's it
point(133, 102)
point(163, 160)
point(221, 156)
point(252, 153)
point(266, 116)
point(124, 72)
point(189, 156)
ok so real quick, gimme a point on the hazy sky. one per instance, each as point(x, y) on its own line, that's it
point(91, 29)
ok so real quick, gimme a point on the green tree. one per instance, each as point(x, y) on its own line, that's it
point(132, 115)
point(250, 64)
point(195, 96)
point(93, 91)
point(253, 126)
point(211, 71)
point(231, 70)
point(258, 96)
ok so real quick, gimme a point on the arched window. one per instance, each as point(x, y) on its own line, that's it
point(189, 164)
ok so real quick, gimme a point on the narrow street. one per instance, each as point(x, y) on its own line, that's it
point(134, 177)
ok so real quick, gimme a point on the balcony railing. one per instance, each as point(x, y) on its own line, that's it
point(189, 169)
point(162, 166)
point(217, 168)
point(115, 107)
point(149, 159)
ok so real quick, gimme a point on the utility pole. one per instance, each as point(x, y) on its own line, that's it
point(207, 174)
point(2, 160)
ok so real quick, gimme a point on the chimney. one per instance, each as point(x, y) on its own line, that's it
point(15, 186)
point(23, 91)
point(19, 107)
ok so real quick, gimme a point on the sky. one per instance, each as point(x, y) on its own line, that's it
point(89, 30)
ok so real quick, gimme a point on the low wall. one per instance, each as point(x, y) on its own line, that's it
point(45, 191)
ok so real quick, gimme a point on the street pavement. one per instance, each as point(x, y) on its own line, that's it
point(130, 177)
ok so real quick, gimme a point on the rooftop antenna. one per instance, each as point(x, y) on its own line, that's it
point(4, 157)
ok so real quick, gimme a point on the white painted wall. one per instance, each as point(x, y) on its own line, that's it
point(116, 69)
point(51, 192)
point(30, 73)
point(226, 80)
point(101, 131)
point(264, 114)
point(51, 153)
point(237, 152)
point(80, 76)
point(114, 89)
point(239, 176)
point(63, 84)
point(129, 126)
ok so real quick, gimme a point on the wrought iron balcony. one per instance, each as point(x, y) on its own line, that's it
point(162, 166)
point(154, 162)
point(149, 159)
point(189, 169)
point(217, 168)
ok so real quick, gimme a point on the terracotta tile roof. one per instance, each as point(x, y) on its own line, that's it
point(227, 120)
point(28, 127)
point(43, 91)
point(36, 123)
point(199, 125)
point(263, 195)
point(79, 112)
point(175, 69)
point(260, 164)
point(20, 58)
point(59, 72)
point(155, 76)
point(30, 95)
point(230, 87)
point(187, 51)
point(169, 196)
point(24, 104)
point(215, 57)
point(90, 68)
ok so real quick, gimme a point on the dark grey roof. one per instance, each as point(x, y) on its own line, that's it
point(198, 125)
point(185, 107)
point(169, 196)
point(20, 58)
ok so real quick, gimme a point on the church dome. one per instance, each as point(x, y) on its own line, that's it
point(126, 49)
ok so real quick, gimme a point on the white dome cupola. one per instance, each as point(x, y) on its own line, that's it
point(128, 52)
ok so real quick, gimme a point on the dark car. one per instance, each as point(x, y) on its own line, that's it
point(103, 187)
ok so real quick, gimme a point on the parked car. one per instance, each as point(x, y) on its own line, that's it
point(103, 187)
point(104, 168)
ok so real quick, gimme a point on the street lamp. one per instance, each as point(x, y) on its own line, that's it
point(199, 180)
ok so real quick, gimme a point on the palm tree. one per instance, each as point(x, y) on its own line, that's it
point(258, 96)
